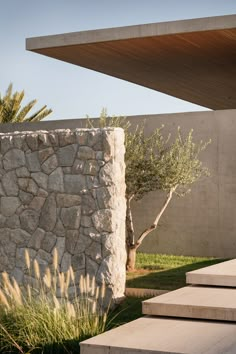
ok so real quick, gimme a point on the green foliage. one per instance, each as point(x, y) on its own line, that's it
point(154, 162)
point(11, 110)
point(50, 314)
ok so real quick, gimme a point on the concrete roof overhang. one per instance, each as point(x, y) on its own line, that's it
point(194, 60)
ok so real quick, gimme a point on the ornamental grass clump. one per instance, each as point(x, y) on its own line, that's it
point(50, 314)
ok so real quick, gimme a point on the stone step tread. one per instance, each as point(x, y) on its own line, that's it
point(164, 335)
point(194, 302)
point(221, 274)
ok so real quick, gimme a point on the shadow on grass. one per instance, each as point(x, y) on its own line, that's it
point(169, 279)
point(67, 347)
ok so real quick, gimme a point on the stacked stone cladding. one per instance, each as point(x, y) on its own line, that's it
point(65, 189)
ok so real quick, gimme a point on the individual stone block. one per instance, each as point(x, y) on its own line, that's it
point(95, 139)
point(91, 167)
point(32, 161)
point(48, 216)
point(25, 197)
point(103, 221)
point(6, 143)
point(37, 203)
point(66, 155)
point(71, 217)
point(41, 179)
point(13, 222)
point(22, 172)
point(20, 256)
point(86, 153)
point(9, 205)
point(29, 220)
point(83, 242)
point(86, 221)
point(20, 143)
point(72, 237)
point(94, 251)
point(106, 174)
point(74, 184)
point(44, 257)
point(104, 197)
point(32, 141)
point(55, 181)
point(76, 242)
point(68, 200)
point(60, 246)
point(2, 193)
point(78, 261)
point(43, 139)
point(92, 182)
point(81, 137)
point(59, 229)
point(32, 187)
point(50, 164)
point(18, 275)
point(48, 242)
point(9, 183)
point(66, 170)
point(36, 239)
point(20, 237)
point(45, 154)
point(92, 233)
point(65, 262)
point(66, 137)
point(13, 159)
point(42, 193)
point(88, 204)
point(91, 267)
point(2, 220)
point(23, 183)
point(53, 138)
point(77, 167)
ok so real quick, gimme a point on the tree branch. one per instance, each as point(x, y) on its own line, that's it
point(156, 221)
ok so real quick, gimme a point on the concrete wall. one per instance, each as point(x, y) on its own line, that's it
point(64, 189)
point(204, 222)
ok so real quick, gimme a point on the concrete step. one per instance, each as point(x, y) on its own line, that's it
point(195, 302)
point(156, 335)
point(221, 274)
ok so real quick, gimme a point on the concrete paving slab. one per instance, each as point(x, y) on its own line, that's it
point(195, 302)
point(164, 335)
point(222, 274)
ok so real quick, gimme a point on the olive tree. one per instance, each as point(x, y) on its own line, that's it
point(155, 163)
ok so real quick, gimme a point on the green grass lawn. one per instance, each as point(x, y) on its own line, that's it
point(167, 272)
point(155, 271)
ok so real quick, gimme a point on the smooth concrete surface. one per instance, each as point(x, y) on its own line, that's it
point(195, 302)
point(222, 274)
point(163, 335)
point(190, 59)
point(202, 223)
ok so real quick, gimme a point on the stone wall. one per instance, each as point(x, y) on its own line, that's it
point(65, 189)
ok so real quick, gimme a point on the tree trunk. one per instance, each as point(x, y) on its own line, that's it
point(132, 246)
point(131, 258)
point(130, 241)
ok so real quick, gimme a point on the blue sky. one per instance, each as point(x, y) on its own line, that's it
point(74, 92)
